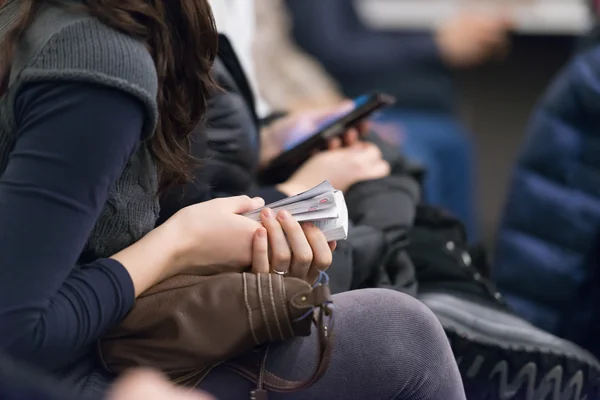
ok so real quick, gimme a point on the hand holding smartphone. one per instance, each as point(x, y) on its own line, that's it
point(286, 163)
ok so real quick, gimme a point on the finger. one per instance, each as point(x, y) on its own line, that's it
point(379, 170)
point(259, 202)
point(370, 153)
point(494, 41)
point(494, 48)
point(240, 204)
point(504, 20)
point(351, 137)
point(491, 33)
point(375, 170)
point(364, 127)
point(359, 146)
point(301, 252)
point(355, 151)
point(260, 252)
point(334, 144)
point(322, 256)
point(332, 246)
point(278, 246)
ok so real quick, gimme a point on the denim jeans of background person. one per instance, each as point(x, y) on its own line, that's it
point(416, 67)
point(443, 145)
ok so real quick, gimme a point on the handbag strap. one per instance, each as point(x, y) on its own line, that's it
point(325, 342)
point(324, 322)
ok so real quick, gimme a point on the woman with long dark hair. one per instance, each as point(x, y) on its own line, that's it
point(96, 104)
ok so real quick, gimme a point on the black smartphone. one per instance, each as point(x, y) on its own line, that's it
point(283, 166)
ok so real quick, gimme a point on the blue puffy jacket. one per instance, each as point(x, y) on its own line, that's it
point(547, 250)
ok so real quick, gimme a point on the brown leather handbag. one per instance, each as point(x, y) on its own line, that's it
point(187, 325)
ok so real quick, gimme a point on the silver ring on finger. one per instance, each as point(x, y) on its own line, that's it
point(280, 273)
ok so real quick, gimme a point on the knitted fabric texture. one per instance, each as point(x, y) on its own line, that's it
point(68, 45)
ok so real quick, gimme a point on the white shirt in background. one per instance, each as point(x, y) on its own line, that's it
point(237, 20)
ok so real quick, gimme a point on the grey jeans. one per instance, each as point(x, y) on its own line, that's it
point(387, 345)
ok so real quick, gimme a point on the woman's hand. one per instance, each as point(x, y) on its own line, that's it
point(296, 127)
point(150, 385)
point(209, 237)
point(284, 246)
point(342, 167)
point(470, 39)
point(215, 235)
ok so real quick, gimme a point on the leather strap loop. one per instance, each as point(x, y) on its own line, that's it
point(266, 380)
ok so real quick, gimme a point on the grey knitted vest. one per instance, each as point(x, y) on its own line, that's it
point(66, 45)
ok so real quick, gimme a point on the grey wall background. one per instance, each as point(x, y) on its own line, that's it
point(497, 101)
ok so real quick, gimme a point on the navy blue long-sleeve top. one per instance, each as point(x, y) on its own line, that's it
point(407, 64)
point(74, 140)
point(19, 382)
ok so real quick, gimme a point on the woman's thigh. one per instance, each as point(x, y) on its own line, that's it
point(387, 345)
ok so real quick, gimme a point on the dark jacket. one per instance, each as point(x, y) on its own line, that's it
point(228, 144)
point(405, 64)
point(547, 250)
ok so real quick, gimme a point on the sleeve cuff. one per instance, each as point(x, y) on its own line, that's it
point(120, 280)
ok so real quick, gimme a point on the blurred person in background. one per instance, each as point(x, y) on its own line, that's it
point(301, 82)
point(239, 142)
point(500, 355)
point(236, 20)
point(548, 247)
point(286, 75)
point(417, 68)
point(97, 106)
point(305, 94)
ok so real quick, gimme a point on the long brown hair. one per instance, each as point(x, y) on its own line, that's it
point(182, 38)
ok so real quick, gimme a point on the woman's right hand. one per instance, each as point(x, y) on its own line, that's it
point(209, 237)
point(284, 246)
point(215, 235)
point(342, 167)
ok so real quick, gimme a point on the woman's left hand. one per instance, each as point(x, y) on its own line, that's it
point(285, 246)
point(296, 127)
